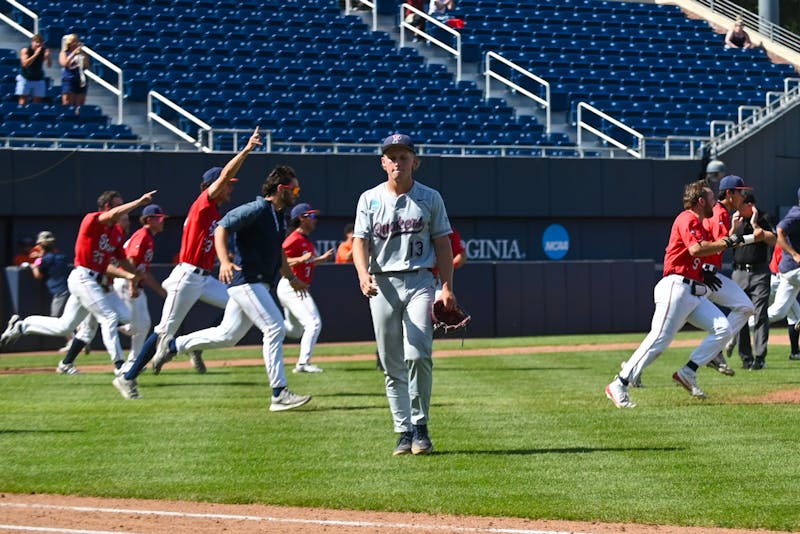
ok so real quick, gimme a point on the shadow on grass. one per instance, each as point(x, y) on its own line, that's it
point(40, 431)
point(560, 450)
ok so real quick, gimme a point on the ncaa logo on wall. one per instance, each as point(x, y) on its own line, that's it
point(555, 242)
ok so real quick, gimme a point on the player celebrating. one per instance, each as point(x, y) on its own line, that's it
point(95, 245)
point(300, 310)
point(401, 234)
point(259, 230)
point(190, 280)
point(680, 296)
point(730, 295)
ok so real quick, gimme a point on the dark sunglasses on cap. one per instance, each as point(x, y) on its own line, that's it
point(312, 216)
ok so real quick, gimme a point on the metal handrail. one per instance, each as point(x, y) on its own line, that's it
point(768, 29)
point(18, 27)
point(237, 131)
point(637, 153)
point(741, 110)
point(118, 90)
point(422, 33)
point(153, 116)
point(489, 73)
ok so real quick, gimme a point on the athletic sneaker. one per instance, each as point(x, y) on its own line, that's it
point(306, 368)
point(617, 392)
point(124, 368)
point(127, 388)
point(287, 400)
point(13, 331)
point(163, 355)
point(747, 363)
point(758, 364)
point(794, 355)
point(420, 442)
point(688, 379)
point(720, 364)
point(67, 369)
point(403, 444)
point(196, 357)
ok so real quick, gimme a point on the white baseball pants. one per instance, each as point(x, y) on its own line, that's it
point(139, 326)
point(88, 327)
point(184, 287)
point(301, 318)
point(86, 297)
point(675, 305)
point(249, 304)
point(733, 297)
point(785, 303)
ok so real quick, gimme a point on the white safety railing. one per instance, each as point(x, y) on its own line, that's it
point(776, 104)
point(118, 90)
point(638, 151)
point(771, 31)
point(430, 38)
point(11, 22)
point(490, 74)
point(153, 116)
point(348, 8)
point(237, 133)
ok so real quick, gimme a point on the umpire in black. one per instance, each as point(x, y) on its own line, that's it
point(751, 273)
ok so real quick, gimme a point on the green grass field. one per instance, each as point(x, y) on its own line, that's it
point(527, 435)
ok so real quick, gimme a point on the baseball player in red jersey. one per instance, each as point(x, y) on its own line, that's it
point(300, 311)
point(680, 296)
point(793, 315)
point(730, 295)
point(190, 280)
point(95, 245)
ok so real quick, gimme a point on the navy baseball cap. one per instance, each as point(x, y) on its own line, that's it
point(153, 209)
point(732, 182)
point(302, 209)
point(211, 175)
point(398, 139)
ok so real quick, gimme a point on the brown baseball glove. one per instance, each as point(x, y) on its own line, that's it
point(449, 321)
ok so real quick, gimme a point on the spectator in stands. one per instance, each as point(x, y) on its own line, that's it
point(737, 37)
point(52, 266)
point(415, 19)
point(73, 78)
point(344, 253)
point(30, 82)
point(442, 10)
point(23, 256)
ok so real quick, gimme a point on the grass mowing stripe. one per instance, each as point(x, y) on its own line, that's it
point(527, 435)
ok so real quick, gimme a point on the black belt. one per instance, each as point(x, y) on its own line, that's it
point(94, 274)
point(698, 288)
point(198, 270)
point(749, 267)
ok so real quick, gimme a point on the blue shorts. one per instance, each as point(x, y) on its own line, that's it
point(25, 87)
point(72, 85)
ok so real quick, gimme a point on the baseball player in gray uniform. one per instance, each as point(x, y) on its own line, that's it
point(401, 234)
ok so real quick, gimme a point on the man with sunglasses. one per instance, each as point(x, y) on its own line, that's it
point(258, 229)
point(190, 280)
point(302, 316)
point(401, 234)
point(751, 272)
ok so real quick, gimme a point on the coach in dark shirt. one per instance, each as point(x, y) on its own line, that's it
point(751, 272)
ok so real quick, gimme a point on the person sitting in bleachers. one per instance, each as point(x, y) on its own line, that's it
point(30, 82)
point(442, 10)
point(737, 37)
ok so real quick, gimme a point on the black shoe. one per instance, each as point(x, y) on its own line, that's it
point(403, 444)
point(421, 444)
point(758, 364)
point(747, 363)
point(794, 356)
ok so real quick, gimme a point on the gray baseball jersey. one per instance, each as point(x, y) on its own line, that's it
point(400, 230)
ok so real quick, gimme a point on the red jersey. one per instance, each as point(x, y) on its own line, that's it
point(97, 243)
point(776, 259)
point(141, 248)
point(718, 225)
point(197, 242)
point(295, 245)
point(456, 245)
point(686, 231)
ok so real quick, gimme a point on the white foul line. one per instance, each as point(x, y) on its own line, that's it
point(321, 522)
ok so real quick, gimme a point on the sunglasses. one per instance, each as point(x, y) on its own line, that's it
point(312, 216)
point(294, 189)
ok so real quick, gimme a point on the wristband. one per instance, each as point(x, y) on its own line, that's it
point(749, 239)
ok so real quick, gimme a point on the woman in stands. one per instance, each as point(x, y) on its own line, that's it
point(73, 78)
point(737, 37)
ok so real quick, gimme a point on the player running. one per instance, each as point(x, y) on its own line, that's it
point(680, 296)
